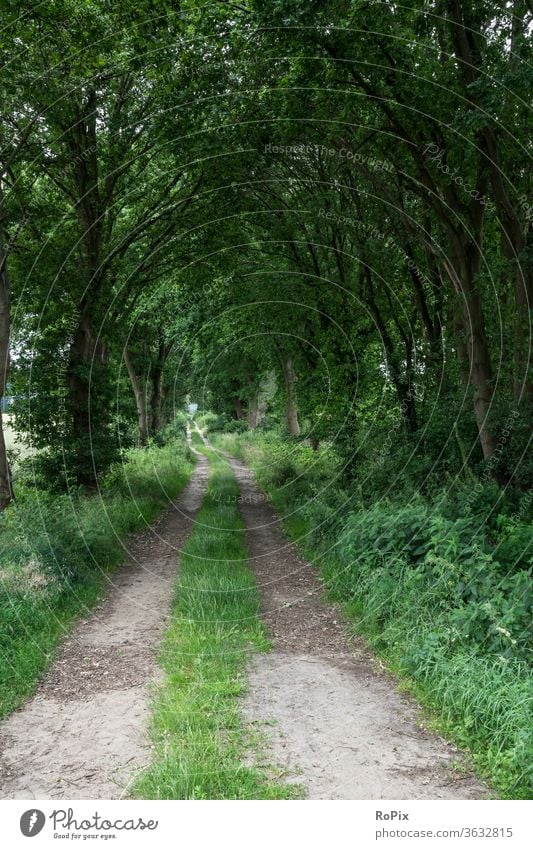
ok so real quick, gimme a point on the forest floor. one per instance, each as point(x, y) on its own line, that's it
point(83, 735)
point(333, 719)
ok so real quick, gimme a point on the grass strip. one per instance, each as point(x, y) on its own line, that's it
point(201, 745)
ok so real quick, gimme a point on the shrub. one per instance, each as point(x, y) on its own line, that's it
point(175, 429)
point(235, 426)
point(211, 422)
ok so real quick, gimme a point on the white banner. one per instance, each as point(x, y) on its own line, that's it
point(273, 825)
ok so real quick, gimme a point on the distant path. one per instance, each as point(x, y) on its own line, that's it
point(83, 734)
point(341, 726)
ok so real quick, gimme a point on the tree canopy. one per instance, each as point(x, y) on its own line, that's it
point(314, 214)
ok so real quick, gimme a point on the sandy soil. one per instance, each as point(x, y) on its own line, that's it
point(83, 734)
point(334, 719)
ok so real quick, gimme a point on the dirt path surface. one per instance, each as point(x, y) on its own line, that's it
point(83, 734)
point(334, 720)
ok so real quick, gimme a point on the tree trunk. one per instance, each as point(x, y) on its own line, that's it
point(87, 361)
point(158, 392)
point(514, 248)
point(261, 407)
point(79, 399)
point(239, 412)
point(402, 385)
point(140, 399)
point(473, 322)
point(156, 400)
point(523, 292)
point(480, 371)
point(465, 25)
point(407, 400)
point(457, 333)
point(293, 424)
point(253, 412)
point(6, 492)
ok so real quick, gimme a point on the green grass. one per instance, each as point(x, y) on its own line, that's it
point(56, 554)
point(436, 608)
point(201, 746)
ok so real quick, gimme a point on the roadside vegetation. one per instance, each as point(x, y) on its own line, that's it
point(440, 588)
point(56, 552)
point(200, 742)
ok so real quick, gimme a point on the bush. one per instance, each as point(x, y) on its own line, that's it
point(214, 422)
point(221, 423)
point(235, 426)
point(174, 430)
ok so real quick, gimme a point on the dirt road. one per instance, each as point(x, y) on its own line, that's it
point(83, 734)
point(335, 721)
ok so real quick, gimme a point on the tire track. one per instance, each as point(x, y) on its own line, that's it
point(335, 721)
point(83, 734)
